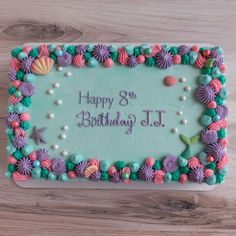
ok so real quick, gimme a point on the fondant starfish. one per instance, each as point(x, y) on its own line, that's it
point(37, 135)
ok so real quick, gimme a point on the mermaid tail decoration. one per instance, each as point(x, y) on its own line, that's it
point(189, 142)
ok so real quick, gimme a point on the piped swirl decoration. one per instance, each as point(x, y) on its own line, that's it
point(30, 63)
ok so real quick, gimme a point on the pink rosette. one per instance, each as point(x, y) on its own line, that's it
point(15, 64)
point(141, 59)
point(126, 170)
point(216, 85)
point(44, 51)
point(155, 49)
point(14, 100)
point(94, 162)
point(158, 177)
point(33, 156)
point(194, 162)
point(16, 83)
point(200, 61)
point(112, 170)
point(150, 161)
point(194, 48)
point(12, 160)
point(218, 125)
point(177, 59)
point(46, 164)
point(123, 56)
point(79, 61)
point(208, 172)
point(223, 162)
point(19, 132)
point(71, 174)
point(224, 142)
point(27, 49)
point(19, 177)
point(183, 178)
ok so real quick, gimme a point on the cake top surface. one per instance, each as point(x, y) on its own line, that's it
point(150, 112)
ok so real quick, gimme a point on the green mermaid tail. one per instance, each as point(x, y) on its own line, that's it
point(189, 142)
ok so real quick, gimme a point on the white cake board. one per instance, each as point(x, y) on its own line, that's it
point(135, 185)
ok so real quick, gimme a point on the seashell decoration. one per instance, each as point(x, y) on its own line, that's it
point(90, 170)
point(42, 65)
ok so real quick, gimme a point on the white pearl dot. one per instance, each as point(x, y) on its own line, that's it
point(182, 98)
point(54, 146)
point(68, 74)
point(62, 136)
point(64, 153)
point(179, 113)
point(174, 130)
point(59, 68)
point(64, 127)
point(56, 85)
point(183, 122)
point(58, 102)
point(51, 115)
point(182, 80)
point(187, 88)
point(50, 91)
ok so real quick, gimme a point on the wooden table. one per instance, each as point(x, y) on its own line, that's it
point(87, 212)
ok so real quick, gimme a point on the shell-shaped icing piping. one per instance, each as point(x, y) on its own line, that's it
point(42, 65)
point(90, 170)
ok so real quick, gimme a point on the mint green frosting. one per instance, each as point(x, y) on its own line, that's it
point(18, 93)
point(64, 47)
point(205, 120)
point(104, 176)
point(10, 149)
point(224, 93)
point(166, 47)
point(34, 52)
point(11, 90)
point(8, 174)
point(168, 177)
point(36, 173)
point(204, 79)
point(185, 59)
point(26, 101)
point(18, 154)
point(19, 108)
point(182, 161)
point(157, 165)
point(63, 177)
point(76, 158)
point(104, 165)
point(129, 49)
point(137, 51)
point(193, 57)
point(22, 55)
point(27, 149)
point(215, 72)
point(203, 157)
point(70, 165)
point(71, 50)
point(148, 51)
point(10, 108)
point(52, 47)
point(134, 166)
point(143, 47)
point(224, 171)
point(211, 180)
point(30, 78)
point(113, 48)
point(89, 48)
point(150, 61)
point(51, 176)
point(125, 175)
point(222, 79)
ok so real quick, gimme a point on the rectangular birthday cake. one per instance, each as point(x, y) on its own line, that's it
point(150, 113)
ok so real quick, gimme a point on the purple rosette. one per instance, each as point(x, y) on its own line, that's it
point(12, 116)
point(80, 168)
point(24, 166)
point(58, 166)
point(197, 174)
point(183, 49)
point(209, 136)
point(132, 61)
point(26, 64)
point(205, 94)
point(19, 142)
point(216, 150)
point(11, 75)
point(42, 154)
point(164, 59)
point(101, 52)
point(81, 49)
point(145, 173)
point(27, 89)
point(96, 176)
point(65, 59)
point(222, 111)
point(116, 178)
point(170, 164)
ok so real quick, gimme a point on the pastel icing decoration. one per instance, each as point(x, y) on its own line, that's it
point(158, 115)
point(42, 66)
point(170, 81)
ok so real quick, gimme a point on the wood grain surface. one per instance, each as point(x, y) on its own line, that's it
point(112, 212)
